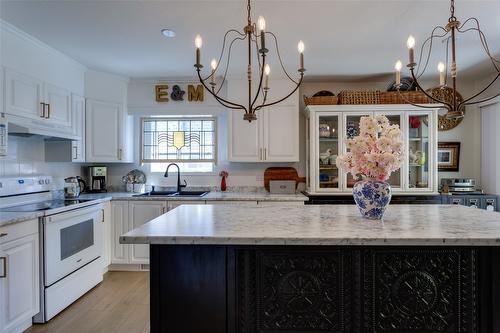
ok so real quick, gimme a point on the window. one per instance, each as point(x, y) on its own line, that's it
point(188, 141)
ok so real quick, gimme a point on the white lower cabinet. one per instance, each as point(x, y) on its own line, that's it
point(119, 226)
point(19, 276)
point(140, 212)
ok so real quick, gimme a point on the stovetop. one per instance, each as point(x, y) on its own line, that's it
point(45, 205)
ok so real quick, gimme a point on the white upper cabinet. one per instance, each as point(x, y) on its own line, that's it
point(44, 105)
point(108, 133)
point(24, 96)
point(245, 141)
point(273, 137)
point(78, 111)
point(281, 134)
point(58, 110)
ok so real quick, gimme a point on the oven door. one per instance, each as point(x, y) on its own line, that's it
point(71, 240)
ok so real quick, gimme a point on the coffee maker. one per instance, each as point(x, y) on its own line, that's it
point(97, 179)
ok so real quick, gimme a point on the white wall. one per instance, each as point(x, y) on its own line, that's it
point(23, 53)
point(141, 102)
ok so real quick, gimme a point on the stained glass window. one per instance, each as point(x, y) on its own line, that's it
point(178, 140)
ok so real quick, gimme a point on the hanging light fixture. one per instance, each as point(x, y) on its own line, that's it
point(455, 104)
point(255, 36)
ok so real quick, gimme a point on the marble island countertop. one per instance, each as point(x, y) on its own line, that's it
point(418, 225)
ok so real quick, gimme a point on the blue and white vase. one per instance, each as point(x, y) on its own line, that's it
point(372, 198)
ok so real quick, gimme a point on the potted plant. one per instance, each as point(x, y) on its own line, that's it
point(372, 156)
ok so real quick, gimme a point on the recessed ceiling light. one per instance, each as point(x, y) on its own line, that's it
point(168, 33)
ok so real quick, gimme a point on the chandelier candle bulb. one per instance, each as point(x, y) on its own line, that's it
point(398, 67)
point(213, 64)
point(301, 48)
point(411, 49)
point(262, 28)
point(441, 69)
point(267, 70)
point(198, 42)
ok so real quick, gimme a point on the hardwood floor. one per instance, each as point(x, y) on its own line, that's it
point(119, 304)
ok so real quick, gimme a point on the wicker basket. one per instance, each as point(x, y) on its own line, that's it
point(403, 97)
point(359, 97)
point(321, 100)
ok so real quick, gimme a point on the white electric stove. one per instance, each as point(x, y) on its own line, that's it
point(70, 240)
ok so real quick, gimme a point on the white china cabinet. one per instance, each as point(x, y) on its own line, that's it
point(328, 126)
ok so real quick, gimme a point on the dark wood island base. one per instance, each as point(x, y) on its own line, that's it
point(306, 289)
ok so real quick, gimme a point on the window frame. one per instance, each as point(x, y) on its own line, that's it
point(186, 117)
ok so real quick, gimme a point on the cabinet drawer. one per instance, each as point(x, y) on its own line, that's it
point(17, 230)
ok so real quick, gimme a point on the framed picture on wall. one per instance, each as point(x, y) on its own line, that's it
point(448, 156)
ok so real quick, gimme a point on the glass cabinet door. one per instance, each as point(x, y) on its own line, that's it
point(395, 119)
point(328, 150)
point(351, 129)
point(418, 151)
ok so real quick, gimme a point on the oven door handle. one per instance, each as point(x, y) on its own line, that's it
point(63, 216)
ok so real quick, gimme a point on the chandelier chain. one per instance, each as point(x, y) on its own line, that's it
point(452, 10)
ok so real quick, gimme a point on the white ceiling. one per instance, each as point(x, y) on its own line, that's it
point(346, 39)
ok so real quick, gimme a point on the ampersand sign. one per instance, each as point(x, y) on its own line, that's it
point(177, 94)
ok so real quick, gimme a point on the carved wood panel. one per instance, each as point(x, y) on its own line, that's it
point(420, 290)
point(294, 291)
point(342, 289)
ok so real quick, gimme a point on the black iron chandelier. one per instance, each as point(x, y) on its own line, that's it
point(256, 42)
point(448, 34)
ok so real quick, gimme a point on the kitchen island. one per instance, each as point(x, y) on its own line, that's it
point(425, 268)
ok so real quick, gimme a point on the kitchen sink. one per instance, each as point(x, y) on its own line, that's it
point(156, 193)
point(191, 194)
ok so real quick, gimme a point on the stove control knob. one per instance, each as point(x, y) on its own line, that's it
point(40, 182)
point(47, 181)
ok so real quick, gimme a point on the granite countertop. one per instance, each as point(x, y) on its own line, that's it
point(428, 225)
point(16, 217)
point(212, 196)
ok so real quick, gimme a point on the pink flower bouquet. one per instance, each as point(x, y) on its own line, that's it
point(376, 152)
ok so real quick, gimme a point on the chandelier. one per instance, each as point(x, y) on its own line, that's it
point(256, 42)
point(448, 35)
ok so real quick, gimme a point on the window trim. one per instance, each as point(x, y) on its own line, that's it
point(208, 117)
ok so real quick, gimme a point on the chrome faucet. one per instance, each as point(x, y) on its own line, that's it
point(179, 185)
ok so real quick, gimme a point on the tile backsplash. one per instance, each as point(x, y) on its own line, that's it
point(26, 157)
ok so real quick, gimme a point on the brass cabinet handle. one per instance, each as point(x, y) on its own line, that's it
point(260, 154)
point(4, 266)
point(48, 111)
point(120, 154)
point(265, 154)
point(75, 148)
point(102, 212)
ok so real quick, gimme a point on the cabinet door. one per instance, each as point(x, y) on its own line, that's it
point(396, 118)
point(420, 154)
point(103, 131)
point(351, 129)
point(326, 135)
point(245, 139)
point(106, 235)
point(23, 95)
point(139, 213)
point(59, 111)
point(78, 146)
point(119, 226)
point(20, 288)
point(281, 134)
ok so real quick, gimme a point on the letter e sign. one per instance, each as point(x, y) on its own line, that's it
point(161, 91)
